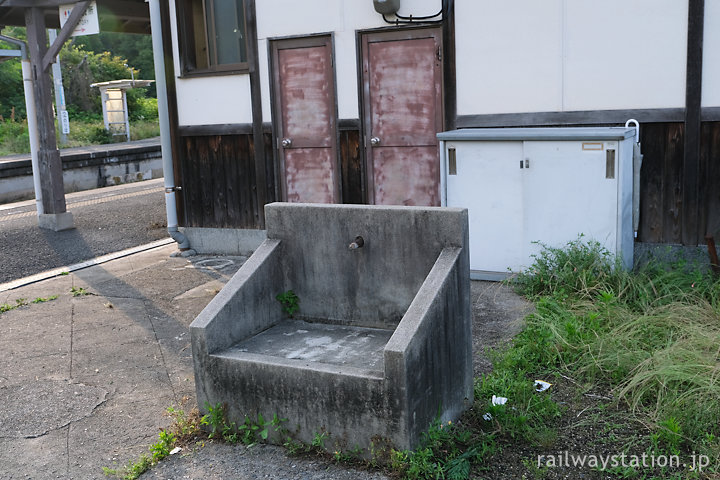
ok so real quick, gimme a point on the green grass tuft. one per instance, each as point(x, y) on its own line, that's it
point(651, 336)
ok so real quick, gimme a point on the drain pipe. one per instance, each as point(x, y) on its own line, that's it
point(164, 120)
point(31, 118)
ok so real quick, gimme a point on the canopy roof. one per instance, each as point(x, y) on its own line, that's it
point(128, 16)
point(123, 84)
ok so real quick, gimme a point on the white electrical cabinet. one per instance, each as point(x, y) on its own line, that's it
point(522, 186)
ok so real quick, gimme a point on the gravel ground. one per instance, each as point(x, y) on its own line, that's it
point(106, 220)
point(221, 462)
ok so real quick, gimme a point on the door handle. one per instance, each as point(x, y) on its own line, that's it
point(374, 141)
point(286, 142)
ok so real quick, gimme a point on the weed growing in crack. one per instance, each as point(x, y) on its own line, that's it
point(162, 448)
point(6, 307)
point(249, 432)
point(79, 291)
point(21, 302)
point(185, 426)
point(447, 450)
point(290, 302)
point(43, 300)
point(319, 440)
point(159, 451)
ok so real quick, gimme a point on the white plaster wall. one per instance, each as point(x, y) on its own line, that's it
point(563, 55)
point(214, 100)
point(711, 55)
point(346, 75)
point(286, 18)
point(508, 55)
point(512, 56)
point(263, 57)
point(624, 54)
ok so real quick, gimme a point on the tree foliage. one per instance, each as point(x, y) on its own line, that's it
point(81, 68)
point(12, 96)
point(86, 60)
point(136, 48)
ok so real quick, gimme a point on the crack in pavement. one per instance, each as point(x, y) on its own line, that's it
point(162, 355)
point(38, 408)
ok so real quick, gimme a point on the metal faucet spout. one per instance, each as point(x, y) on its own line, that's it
point(357, 243)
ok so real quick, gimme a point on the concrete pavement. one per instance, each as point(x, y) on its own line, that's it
point(85, 380)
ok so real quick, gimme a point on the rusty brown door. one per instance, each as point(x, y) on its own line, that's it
point(305, 119)
point(402, 110)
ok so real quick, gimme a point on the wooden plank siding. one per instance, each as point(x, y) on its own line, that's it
point(709, 197)
point(218, 176)
point(219, 181)
point(351, 167)
point(663, 216)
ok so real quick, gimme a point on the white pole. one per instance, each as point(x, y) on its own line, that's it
point(127, 116)
point(59, 90)
point(32, 131)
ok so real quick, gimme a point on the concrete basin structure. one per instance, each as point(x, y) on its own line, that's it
point(381, 343)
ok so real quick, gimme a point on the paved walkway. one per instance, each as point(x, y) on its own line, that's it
point(84, 380)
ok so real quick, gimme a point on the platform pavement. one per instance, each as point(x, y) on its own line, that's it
point(85, 380)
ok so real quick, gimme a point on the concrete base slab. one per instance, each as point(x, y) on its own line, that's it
point(224, 241)
point(320, 342)
point(693, 258)
point(56, 221)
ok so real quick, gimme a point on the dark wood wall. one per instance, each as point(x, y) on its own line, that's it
point(351, 166)
point(219, 175)
point(219, 180)
point(662, 183)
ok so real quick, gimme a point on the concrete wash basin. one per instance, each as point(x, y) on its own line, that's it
point(381, 342)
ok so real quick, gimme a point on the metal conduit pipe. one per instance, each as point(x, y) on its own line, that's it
point(164, 120)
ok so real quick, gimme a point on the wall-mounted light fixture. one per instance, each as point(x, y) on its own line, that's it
point(386, 7)
point(391, 7)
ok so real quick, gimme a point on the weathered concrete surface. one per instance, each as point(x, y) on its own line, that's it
point(237, 462)
point(56, 222)
point(411, 276)
point(373, 285)
point(343, 345)
point(498, 315)
point(224, 241)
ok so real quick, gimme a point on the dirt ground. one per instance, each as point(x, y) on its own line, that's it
point(498, 314)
